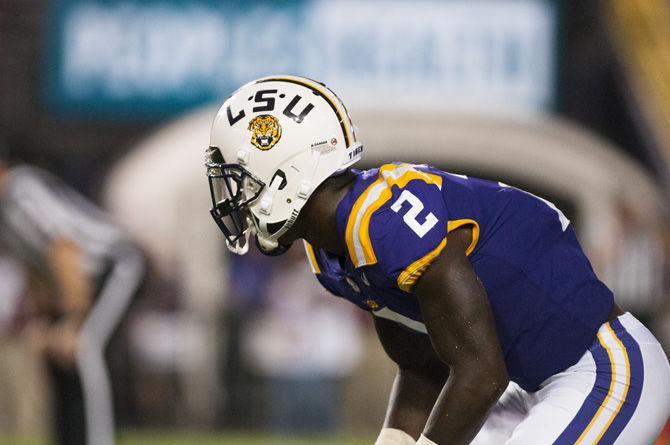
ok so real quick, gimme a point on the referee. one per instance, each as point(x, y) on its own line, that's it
point(93, 272)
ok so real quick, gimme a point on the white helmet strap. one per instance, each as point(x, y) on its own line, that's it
point(268, 196)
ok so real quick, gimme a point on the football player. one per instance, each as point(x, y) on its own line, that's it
point(480, 292)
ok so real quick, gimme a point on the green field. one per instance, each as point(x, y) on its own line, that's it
point(198, 438)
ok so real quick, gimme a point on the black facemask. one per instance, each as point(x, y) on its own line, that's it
point(232, 190)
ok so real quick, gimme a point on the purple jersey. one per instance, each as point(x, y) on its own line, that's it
point(546, 300)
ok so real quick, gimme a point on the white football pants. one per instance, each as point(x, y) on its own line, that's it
point(618, 393)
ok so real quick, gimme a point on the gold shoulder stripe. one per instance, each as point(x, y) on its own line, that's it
point(311, 258)
point(351, 221)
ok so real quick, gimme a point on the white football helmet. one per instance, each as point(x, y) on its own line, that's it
point(272, 143)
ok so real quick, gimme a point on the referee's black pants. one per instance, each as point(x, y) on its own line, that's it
point(68, 404)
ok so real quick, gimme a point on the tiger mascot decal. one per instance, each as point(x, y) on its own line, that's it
point(265, 131)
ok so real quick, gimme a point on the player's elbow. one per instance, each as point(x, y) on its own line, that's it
point(499, 385)
point(491, 388)
point(489, 377)
point(496, 379)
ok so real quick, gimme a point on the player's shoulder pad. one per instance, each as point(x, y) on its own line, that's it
point(399, 223)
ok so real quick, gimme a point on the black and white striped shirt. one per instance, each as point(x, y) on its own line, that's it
point(38, 208)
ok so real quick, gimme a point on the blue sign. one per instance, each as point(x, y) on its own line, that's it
point(134, 59)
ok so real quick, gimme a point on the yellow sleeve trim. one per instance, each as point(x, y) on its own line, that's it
point(452, 225)
point(408, 277)
point(311, 258)
point(412, 273)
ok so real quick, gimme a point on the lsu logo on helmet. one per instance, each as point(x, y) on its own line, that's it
point(265, 131)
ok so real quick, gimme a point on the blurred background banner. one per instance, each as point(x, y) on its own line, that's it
point(138, 59)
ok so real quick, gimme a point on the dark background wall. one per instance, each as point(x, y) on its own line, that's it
point(590, 89)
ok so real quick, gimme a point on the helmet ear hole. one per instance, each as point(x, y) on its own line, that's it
point(275, 227)
point(282, 175)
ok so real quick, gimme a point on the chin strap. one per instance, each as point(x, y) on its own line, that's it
point(280, 249)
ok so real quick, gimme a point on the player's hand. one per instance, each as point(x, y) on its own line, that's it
point(63, 343)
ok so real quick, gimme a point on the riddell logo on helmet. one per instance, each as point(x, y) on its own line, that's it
point(294, 216)
point(265, 131)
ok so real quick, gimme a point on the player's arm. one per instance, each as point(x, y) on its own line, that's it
point(419, 380)
point(460, 324)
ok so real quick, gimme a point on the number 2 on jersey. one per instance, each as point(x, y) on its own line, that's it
point(410, 216)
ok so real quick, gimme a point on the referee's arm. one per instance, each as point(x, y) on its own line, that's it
point(73, 283)
point(74, 298)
